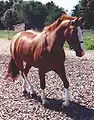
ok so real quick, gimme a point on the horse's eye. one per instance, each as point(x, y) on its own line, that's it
point(75, 31)
point(82, 31)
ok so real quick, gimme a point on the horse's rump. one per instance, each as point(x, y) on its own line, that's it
point(28, 46)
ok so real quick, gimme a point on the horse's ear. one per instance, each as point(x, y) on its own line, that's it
point(59, 21)
point(80, 20)
point(77, 22)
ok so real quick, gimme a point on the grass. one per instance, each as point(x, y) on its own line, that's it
point(88, 38)
point(7, 35)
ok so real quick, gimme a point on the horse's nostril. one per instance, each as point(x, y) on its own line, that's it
point(83, 53)
point(80, 54)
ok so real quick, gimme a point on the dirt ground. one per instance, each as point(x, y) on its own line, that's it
point(80, 73)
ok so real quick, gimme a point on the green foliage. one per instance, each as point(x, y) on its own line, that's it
point(1, 8)
point(85, 8)
point(18, 9)
point(89, 40)
point(7, 35)
point(89, 44)
point(53, 12)
point(34, 13)
point(9, 19)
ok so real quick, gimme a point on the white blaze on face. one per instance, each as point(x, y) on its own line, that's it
point(80, 36)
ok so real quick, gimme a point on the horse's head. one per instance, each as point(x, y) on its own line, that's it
point(73, 35)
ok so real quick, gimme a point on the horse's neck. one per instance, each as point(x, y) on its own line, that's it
point(55, 41)
point(51, 27)
point(60, 34)
point(55, 36)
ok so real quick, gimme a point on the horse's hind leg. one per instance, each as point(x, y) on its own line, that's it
point(19, 63)
point(42, 86)
point(62, 74)
point(26, 80)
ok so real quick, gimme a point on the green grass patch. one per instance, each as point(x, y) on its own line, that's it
point(7, 35)
point(89, 40)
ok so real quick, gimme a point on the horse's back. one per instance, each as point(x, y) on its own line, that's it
point(26, 46)
point(20, 42)
point(33, 32)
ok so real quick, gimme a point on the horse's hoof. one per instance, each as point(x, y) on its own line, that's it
point(25, 92)
point(45, 103)
point(33, 95)
point(65, 104)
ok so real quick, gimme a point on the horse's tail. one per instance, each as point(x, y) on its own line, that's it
point(13, 70)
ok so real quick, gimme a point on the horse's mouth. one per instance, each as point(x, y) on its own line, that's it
point(80, 54)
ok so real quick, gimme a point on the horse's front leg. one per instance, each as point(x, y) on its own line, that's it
point(62, 74)
point(42, 86)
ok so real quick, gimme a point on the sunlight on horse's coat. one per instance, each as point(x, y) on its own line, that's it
point(13, 43)
point(44, 50)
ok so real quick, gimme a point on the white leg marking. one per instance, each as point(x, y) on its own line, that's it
point(24, 85)
point(43, 97)
point(31, 87)
point(67, 98)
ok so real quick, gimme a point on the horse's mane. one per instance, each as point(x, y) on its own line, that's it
point(67, 17)
point(58, 21)
point(52, 26)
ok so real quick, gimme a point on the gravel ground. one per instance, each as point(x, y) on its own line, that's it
point(80, 73)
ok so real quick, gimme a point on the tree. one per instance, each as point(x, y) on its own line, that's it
point(85, 8)
point(18, 7)
point(1, 8)
point(34, 14)
point(9, 18)
point(53, 12)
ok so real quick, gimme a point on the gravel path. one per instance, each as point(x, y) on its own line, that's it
point(80, 73)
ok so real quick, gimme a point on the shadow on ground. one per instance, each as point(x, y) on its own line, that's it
point(74, 111)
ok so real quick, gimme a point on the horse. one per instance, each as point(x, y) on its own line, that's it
point(54, 25)
point(44, 50)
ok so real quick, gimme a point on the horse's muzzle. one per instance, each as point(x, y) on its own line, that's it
point(83, 53)
point(80, 54)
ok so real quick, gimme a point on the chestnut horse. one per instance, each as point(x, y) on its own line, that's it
point(44, 50)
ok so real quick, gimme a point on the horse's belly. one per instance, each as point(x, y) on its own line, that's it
point(50, 63)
